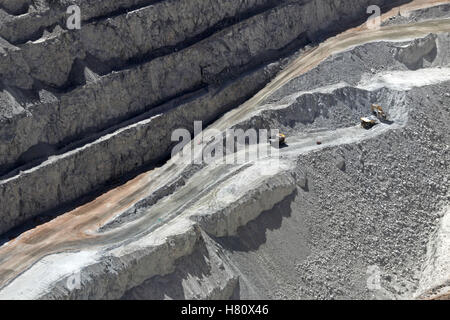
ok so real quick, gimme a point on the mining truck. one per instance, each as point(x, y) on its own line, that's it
point(280, 138)
point(368, 123)
point(378, 112)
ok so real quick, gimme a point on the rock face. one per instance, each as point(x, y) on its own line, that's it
point(338, 212)
point(85, 93)
point(419, 54)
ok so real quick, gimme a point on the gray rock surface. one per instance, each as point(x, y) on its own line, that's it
point(328, 240)
point(74, 120)
point(339, 212)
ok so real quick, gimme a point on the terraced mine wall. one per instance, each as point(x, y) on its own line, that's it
point(299, 228)
point(82, 108)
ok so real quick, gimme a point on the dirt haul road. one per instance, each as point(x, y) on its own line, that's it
point(120, 222)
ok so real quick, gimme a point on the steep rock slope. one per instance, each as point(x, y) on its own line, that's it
point(341, 212)
point(67, 92)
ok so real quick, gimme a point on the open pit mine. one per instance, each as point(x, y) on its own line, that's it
point(224, 149)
